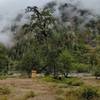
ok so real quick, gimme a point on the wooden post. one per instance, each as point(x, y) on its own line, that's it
point(34, 73)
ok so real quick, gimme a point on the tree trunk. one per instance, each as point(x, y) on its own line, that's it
point(55, 73)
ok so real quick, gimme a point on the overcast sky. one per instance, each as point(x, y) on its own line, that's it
point(9, 10)
point(12, 7)
point(93, 5)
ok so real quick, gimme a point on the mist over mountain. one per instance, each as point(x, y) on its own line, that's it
point(9, 11)
point(69, 11)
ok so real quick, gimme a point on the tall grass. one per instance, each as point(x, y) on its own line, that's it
point(4, 91)
point(72, 81)
point(83, 93)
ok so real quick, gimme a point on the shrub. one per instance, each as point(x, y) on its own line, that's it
point(4, 91)
point(68, 81)
point(83, 93)
point(75, 83)
point(97, 72)
point(89, 93)
point(79, 67)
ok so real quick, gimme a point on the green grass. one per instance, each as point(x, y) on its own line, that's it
point(72, 81)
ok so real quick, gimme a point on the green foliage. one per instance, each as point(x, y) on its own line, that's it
point(3, 60)
point(81, 68)
point(65, 61)
point(89, 93)
point(26, 64)
point(69, 81)
point(46, 45)
point(75, 82)
point(97, 72)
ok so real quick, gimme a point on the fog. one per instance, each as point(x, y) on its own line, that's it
point(10, 8)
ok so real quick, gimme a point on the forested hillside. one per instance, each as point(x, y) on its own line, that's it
point(56, 40)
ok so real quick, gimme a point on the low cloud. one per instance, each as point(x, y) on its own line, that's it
point(9, 9)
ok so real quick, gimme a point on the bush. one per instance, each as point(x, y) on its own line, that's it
point(4, 91)
point(75, 82)
point(69, 81)
point(97, 72)
point(81, 68)
point(83, 93)
point(89, 93)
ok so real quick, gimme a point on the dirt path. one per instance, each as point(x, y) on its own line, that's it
point(20, 87)
point(88, 79)
point(92, 81)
